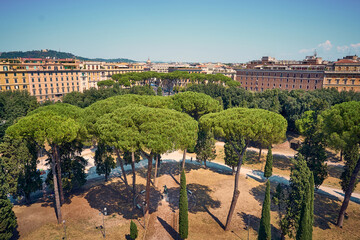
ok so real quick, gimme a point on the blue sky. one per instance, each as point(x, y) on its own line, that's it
point(225, 31)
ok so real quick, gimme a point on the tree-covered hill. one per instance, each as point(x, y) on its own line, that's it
point(56, 54)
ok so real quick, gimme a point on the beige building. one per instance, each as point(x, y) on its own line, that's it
point(344, 75)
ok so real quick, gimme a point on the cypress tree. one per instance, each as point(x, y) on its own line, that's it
point(265, 227)
point(7, 216)
point(133, 230)
point(303, 231)
point(159, 91)
point(269, 164)
point(312, 184)
point(183, 208)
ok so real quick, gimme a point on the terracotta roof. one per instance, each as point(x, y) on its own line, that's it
point(347, 61)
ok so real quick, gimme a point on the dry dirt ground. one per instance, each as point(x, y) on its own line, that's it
point(207, 210)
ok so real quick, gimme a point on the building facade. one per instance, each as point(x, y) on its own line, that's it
point(279, 77)
point(344, 75)
point(51, 79)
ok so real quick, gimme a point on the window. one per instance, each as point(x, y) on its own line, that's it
point(16, 87)
point(329, 81)
point(7, 87)
point(23, 74)
point(7, 80)
point(353, 81)
point(6, 73)
point(337, 81)
point(24, 80)
point(45, 85)
point(14, 74)
point(345, 81)
point(38, 79)
point(24, 86)
point(44, 79)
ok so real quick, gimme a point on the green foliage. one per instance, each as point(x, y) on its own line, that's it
point(8, 221)
point(142, 90)
point(155, 129)
point(104, 162)
point(304, 231)
point(351, 157)
point(194, 104)
point(14, 104)
point(159, 91)
point(183, 208)
point(311, 208)
point(133, 230)
point(170, 81)
point(299, 184)
point(106, 83)
point(269, 164)
point(341, 127)
point(254, 125)
point(313, 147)
point(205, 147)
point(231, 158)
point(265, 226)
point(73, 174)
point(128, 158)
point(19, 159)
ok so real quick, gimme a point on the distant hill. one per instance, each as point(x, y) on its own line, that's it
point(56, 54)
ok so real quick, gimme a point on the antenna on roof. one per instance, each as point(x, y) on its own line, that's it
point(315, 53)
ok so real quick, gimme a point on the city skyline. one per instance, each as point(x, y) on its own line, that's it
point(201, 31)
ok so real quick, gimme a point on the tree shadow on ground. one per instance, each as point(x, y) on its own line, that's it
point(335, 171)
point(282, 162)
point(199, 198)
point(325, 211)
point(279, 161)
point(259, 194)
point(119, 199)
point(255, 223)
point(173, 233)
point(332, 157)
point(168, 168)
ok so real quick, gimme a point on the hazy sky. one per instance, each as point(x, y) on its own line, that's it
point(226, 31)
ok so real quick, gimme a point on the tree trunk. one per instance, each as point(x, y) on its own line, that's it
point(341, 156)
point(259, 158)
point(133, 171)
point(233, 170)
point(156, 169)
point(27, 198)
point(58, 167)
point(122, 167)
point(148, 180)
point(183, 160)
point(236, 187)
point(56, 190)
point(348, 193)
point(205, 163)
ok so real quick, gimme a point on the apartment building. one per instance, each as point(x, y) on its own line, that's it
point(281, 77)
point(93, 72)
point(51, 79)
point(13, 75)
point(344, 75)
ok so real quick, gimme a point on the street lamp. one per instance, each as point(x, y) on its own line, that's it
point(104, 213)
point(64, 230)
